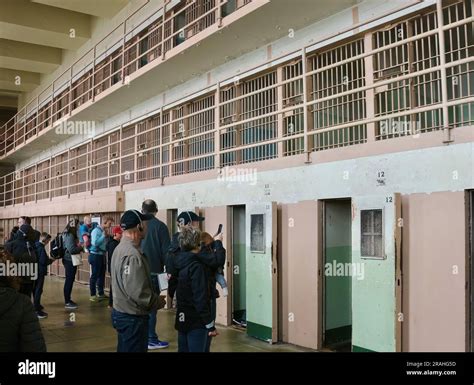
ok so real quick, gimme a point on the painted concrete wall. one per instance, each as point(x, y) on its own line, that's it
point(434, 254)
point(446, 168)
point(338, 250)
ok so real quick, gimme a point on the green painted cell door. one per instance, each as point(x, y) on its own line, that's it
point(262, 271)
point(376, 288)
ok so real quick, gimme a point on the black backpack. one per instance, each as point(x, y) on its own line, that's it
point(57, 249)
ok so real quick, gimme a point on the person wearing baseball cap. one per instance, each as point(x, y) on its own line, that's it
point(134, 297)
point(187, 217)
point(155, 246)
point(212, 260)
point(111, 245)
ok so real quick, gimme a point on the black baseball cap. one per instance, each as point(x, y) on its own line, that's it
point(188, 216)
point(132, 218)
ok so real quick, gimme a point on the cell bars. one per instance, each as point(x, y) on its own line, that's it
point(193, 136)
point(394, 70)
point(98, 73)
point(78, 169)
point(413, 92)
point(459, 46)
point(252, 104)
point(148, 152)
point(328, 79)
point(292, 120)
point(423, 55)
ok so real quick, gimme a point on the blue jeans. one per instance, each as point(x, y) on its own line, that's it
point(97, 262)
point(131, 332)
point(38, 290)
point(152, 335)
point(221, 280)
point(70, 271)
point(193, 341)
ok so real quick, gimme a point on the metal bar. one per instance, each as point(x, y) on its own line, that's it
point(442, 61)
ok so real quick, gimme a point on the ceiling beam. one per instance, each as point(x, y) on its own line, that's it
point(28, 81)
point(29, 57)
point(102, 8)
point(22, 20)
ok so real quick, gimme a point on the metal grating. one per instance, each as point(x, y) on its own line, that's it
point(330, 110)
point(289, 109)
point(258, 130)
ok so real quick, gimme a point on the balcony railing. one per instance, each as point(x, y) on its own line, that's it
point(115, 57)
point(380, 85)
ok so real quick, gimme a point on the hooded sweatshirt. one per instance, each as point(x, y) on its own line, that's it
point(20, 330)
point(212, 257)
point(192, 294)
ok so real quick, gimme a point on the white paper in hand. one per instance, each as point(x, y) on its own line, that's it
point(163, 281)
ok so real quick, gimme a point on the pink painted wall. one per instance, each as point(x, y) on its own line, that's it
point(298, 255)
point(434, 241)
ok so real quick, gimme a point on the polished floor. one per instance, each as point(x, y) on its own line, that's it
point(89, 329)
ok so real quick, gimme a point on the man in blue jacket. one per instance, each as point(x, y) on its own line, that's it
point(155, 247)
point(43, 262)
point(97, 260)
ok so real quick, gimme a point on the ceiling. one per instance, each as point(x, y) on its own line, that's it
point(34, 35)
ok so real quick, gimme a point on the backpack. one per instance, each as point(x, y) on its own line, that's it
point(57, 249)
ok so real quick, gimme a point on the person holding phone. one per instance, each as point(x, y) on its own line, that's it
point(207, 242)
point(194, 319)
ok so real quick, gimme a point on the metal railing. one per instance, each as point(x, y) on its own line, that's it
point(110, 61)
point(380, 85)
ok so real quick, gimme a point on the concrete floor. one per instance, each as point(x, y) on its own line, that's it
point(92, 330)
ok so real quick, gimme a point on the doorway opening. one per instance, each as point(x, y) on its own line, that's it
point(239, 281)
point(337, 285)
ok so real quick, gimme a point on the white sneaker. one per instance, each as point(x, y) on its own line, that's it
point(225, 292)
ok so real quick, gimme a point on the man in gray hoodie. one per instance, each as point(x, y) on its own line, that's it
point(134, 295)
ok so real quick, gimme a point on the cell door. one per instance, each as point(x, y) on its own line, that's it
point(262, 271)
point(216, 216)
point(376, 273)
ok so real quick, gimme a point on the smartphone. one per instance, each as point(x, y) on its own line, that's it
point(219, 230)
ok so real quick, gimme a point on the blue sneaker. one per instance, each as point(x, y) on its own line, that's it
point(157, 345)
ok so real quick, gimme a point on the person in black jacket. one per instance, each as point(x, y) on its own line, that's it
point(43, 262)
point(212, 260)
point(212, 257)
point(71, 246)
point(13, 234)
point(19, 327)
point(155, 246)
point(194, 321)
point(23, 252)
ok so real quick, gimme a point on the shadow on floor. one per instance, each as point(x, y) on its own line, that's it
point(91, 330)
